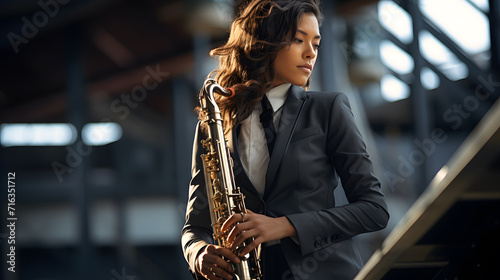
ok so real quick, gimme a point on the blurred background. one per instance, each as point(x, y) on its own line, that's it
point(97, 122)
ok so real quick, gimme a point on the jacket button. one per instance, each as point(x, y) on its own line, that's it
point(330, 239)
point(260, 210)
point(317, 243)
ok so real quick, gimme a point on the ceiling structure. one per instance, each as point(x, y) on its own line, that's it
point(115, 41)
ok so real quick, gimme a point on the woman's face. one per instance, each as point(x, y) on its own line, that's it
point(294, 64)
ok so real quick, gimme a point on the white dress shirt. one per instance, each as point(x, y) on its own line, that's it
point(252, 142)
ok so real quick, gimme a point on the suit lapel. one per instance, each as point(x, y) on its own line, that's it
point(293, 103)
point(241, 177)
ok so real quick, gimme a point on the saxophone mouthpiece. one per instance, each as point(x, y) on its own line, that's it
point(211, 84)
point(232, 92)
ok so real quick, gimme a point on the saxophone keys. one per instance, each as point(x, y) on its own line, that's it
point(217, 196)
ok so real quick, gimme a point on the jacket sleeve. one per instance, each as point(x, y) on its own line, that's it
point(367, 210)
point(197, 231)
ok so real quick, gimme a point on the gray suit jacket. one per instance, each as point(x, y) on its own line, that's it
point(306, 166)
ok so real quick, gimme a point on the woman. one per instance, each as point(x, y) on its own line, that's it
point(289, 182)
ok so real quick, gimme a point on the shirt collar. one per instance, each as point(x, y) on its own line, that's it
point(277, 95)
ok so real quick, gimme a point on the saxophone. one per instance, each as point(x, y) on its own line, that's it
point(224, 198)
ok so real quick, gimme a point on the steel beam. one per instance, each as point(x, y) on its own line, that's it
point(422, 116)
point(77, 115)
point(494, 17)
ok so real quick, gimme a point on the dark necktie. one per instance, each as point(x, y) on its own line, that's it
point(266, 118)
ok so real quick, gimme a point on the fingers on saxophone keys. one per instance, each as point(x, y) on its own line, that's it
point(235, 218)
point(223, 269)
point(244, 235)
point(249, 248)
point(235, 232)
point(229, 255)
point(229, 222)
point(219, 273)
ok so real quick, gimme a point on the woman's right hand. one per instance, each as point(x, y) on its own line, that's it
point(211, 265)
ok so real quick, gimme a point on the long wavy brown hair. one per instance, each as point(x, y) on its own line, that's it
point(260, 30)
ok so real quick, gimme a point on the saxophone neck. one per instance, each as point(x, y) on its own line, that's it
point(210, 87)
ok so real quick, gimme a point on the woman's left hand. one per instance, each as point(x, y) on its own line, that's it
point(262, 228)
